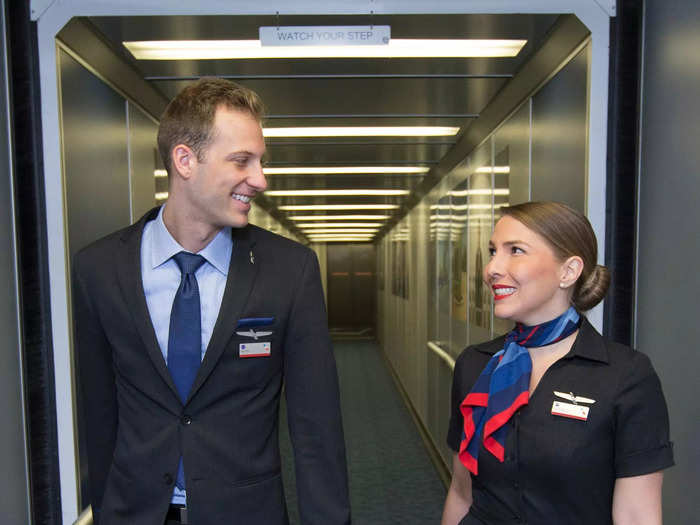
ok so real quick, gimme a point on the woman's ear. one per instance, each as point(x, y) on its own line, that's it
point(183, 160)
point(570, 271)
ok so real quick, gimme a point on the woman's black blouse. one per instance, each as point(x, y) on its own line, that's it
point(559, 470)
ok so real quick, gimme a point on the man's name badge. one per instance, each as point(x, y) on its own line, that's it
point(570, 410)
point(254, 350)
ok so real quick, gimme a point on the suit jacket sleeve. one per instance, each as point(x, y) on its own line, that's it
point(96, 383)
point(311, 386)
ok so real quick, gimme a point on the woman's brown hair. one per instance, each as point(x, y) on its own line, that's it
point(569, 233)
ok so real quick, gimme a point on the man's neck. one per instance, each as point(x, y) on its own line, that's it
point(192, 234)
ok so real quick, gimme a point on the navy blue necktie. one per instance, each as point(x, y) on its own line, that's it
point(185, 336)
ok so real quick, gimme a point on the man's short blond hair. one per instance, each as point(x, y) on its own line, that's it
point(189, 118)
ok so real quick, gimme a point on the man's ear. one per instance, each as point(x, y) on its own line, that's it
point(571, 271)
point(183, 160)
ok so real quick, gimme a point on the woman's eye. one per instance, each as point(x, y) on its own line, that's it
point(492, 251)
point(516, 250)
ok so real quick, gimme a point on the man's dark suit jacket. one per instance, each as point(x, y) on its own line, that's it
point(227, 431)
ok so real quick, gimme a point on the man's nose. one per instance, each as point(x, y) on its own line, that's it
point(258, 179)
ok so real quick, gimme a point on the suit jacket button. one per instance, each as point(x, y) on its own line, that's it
point(186, 420)
point(168, 479)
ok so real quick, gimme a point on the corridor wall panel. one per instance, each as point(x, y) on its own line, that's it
point(559, 126)
point(95, 155)
point(142, 161)
point(538, 152)
point(668, 249)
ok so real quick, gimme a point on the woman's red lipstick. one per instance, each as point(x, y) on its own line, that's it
point(501, 291)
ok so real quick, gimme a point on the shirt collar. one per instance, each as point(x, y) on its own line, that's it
point(217, 252)
point(589, 344)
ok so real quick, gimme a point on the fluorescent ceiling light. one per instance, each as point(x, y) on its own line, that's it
point(335, 236)
point(301, 207)
point(312, 225)
point(335, 193)
point(161, 195)
point(470, 193)
point(366, 231)
point(363, 131)
point(494, 169)
point(338, 217)
point(160, 173)
point(462, 207)
point(342, 239)
point(326, 170)
point(396, 48)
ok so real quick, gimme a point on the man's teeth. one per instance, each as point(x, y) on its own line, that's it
point(504, 291)
point(242, 198)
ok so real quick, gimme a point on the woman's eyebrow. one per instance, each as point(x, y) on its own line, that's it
point(511, 243)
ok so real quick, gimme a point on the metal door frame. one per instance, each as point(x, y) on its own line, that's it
point(52, 15)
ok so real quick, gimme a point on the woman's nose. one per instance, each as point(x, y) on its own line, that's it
point(493, 268)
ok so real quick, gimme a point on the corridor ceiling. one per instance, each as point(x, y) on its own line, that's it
point(345, 92)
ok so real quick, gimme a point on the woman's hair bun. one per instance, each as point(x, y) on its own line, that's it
point(593, 289)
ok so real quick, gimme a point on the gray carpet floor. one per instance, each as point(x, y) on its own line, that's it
point(392, 479)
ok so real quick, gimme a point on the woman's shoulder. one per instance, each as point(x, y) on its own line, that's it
point(628, 365)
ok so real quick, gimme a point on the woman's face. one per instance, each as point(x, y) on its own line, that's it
point(524, 275)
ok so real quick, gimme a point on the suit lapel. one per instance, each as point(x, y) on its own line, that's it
point(241, 277)
point(131, 283)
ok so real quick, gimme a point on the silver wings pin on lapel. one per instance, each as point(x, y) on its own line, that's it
point(574, 399)
point(252, 333)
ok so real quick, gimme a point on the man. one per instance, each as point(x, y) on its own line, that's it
point(187, 325)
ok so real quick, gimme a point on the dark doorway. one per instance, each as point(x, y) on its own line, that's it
point(351, 288)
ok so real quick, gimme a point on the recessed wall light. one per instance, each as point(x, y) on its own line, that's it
point(161, 195)
point(396, 48)
point(160, 173)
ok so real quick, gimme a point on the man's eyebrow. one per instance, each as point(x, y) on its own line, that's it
point(241, 152)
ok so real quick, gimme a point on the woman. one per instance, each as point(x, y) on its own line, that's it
point(553, 424)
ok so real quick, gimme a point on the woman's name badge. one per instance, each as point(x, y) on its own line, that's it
point(571, 410)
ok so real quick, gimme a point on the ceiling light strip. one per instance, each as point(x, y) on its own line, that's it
point(315, 225)
point(251, 49)
point(338, 193)
point(338, 217)
point(362, 131)
point(342, 239)
point(329, 207)
point(326, 170)
point(320, 231)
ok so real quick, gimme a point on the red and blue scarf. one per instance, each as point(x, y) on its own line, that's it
point(503, 387)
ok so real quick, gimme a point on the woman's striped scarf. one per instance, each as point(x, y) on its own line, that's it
point(503, 387)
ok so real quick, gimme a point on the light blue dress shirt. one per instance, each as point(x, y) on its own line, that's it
point(161, 279)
